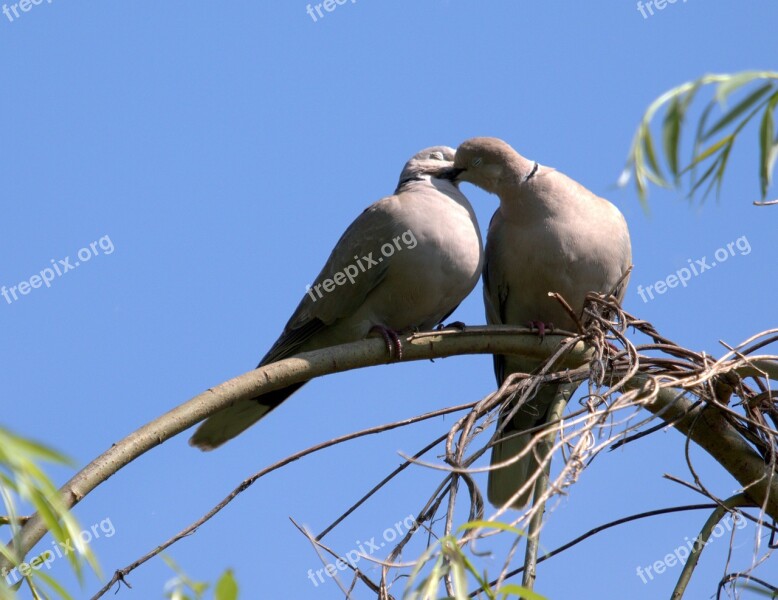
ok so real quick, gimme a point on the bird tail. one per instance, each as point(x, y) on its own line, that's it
point(236, 418)
point(505, 481)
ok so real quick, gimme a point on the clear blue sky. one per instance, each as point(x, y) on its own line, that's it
point(223, 148)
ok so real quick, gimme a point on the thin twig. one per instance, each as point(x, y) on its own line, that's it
point(702, 539)
point(189, 530)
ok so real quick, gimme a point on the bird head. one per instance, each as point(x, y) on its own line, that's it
point(435, 162)
point(488, 163)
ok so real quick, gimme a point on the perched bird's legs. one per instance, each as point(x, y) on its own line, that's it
point(392, 340)
point(453, 325)
point(541, 327)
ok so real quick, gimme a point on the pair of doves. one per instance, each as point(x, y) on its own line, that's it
point(549, 234)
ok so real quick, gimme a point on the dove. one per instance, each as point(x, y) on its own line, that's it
point(405, 263)
point(549, 234)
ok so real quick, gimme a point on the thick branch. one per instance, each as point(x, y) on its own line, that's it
point(707, 427)
point(309, 365)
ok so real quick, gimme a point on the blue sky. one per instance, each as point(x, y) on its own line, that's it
point(221, 149)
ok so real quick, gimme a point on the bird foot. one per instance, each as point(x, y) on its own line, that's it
point(541, 327)
point(454, 325)
point(392, 340)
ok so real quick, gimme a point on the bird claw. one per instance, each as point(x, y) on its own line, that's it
point(459, 325)
point(541, 327)
point(391, 339)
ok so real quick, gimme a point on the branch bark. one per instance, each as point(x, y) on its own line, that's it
point(706, 427)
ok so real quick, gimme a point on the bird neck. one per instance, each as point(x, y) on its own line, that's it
point(522, 196)
point(521, 169)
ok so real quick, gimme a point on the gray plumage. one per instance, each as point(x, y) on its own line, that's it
point(436, 261)
point(549, 234)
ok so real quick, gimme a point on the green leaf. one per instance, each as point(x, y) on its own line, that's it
point(458, 575)
point(183, 581)
point(737, 110)
point(671, 134)
point(648, 147)
point(20, 446)
point(22, 477)
point(58, 531)
point(6, 554)
point(642, 161)
point(707, 153)
point(53, 584)
point(701, 126)
point(767, 149)
point(428, 553)
point(734, 82)
point(704, 177)
point(429, 590)
point(720, 172)
point(520, 592)
point(491, 525)
point(226, 587)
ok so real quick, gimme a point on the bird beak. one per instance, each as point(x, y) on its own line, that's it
point(451, 173)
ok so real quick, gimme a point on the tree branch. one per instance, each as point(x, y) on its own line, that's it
point(704, 423)
point(309, 365)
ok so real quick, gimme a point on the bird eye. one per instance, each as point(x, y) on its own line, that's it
point(477, 161)
point(437, 155)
